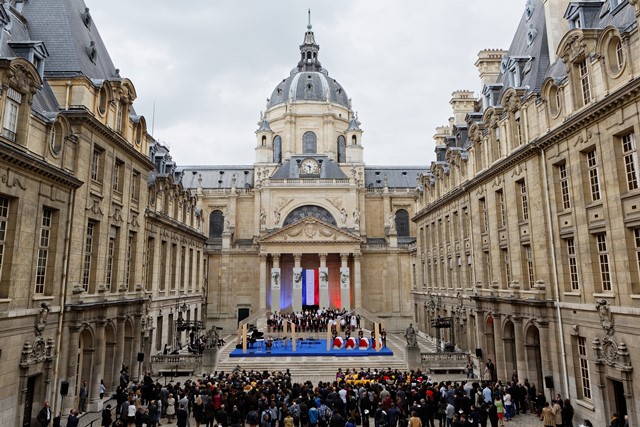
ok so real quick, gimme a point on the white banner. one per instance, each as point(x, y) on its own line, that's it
point(297, 278)
point(344, 278)
point(275, 278)
point(324, 277)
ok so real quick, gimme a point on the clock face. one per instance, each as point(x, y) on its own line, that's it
point(309, 166)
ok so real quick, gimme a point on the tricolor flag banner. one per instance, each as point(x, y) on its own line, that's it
point(310, 287)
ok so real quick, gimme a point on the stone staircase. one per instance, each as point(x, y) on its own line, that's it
point(314, 368)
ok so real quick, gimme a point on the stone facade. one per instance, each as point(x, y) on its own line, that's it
point(87, 198)
point(527, 225)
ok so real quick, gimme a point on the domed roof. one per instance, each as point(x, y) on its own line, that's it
point(309, 81)
point(309, 86)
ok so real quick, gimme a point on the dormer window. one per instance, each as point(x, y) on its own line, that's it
point(516, 67)
point(11, 110)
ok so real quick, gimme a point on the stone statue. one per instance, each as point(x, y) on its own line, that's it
point(343, 215)
point(263, 218)
point(356, 216)
point(392, 222)
point(410, 336)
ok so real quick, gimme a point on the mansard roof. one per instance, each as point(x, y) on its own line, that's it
point(396, 176)
point(71, 37)
point(217, 176)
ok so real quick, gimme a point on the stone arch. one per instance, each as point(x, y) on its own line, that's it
point(216, 224)
point(533, 355)
point(277, 149)
point(489, 338)
point(85, 355)
point(509, 343)
point(110, 356)
point(129, 356)
point(342, 149)
point(307, 211)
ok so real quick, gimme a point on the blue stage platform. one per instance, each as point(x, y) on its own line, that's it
point(306, 348)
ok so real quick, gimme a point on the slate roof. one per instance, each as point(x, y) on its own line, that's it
point(217, 176)
point(60, 25)
point(397, 176)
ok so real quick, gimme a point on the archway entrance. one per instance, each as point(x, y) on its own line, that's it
point(490, 344)
point(534, 359)
point(85, 359)
point(509, 342)
point(109, 357)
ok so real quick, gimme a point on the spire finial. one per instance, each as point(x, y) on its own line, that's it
point(309, 24)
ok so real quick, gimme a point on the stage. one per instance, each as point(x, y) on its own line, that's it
point(306, 347)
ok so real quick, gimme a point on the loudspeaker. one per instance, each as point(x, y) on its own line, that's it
point(548, 381)
point(478, 352)
point(140, 357)
point(64, 388)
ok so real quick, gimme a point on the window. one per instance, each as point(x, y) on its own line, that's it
point(585, 84)
point(11, 110)
point(487, 267)
point(502, 215)
point(4, 220)
point(43, 250)
point(614, 54)
point(112, 254)
point(190, 271)
point(506, 266)
point(173, 272)
point(402, 223)
point(585, 386)
point(163, 265)
point(96, 164)
point(594, 181)
point(159, 333)
point(309, 143)
point(129, 260)
point(524, 202)
point(119, 117)
point(277, 149)
point(135, 185)
point(518, 124)
point(603, 261)
point(342, 149)
point(216, 224)
point(183, 259)
point(118, 175)
point(151, 249)
point(630, 155)
point(484, 220)
point(573, 264)
point(636, 274)
point(528, 264)
point(563, 180)
point(55, 143)
point(88, 255)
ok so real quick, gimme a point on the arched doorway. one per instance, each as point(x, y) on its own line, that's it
point(109, 357)
point(534, 359)
point(490, 343)
point(85, 359)
point(509, 343)
point(128, 356)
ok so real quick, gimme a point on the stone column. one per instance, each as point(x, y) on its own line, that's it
point(119, 352)
point(136, 345)
point(72, 365)
point(297, 284)
point(345, 282)
point(545, 354)
point(263, 282)
point(95, 403)
point(500, 360)
point(276, 279)
point(521, 358)
point(324, 282)
point(356, 281)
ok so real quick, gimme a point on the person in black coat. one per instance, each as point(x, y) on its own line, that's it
point(181, 416)
point(106, 417)
point(493, 415)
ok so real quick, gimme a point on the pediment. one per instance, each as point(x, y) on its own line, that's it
point(311, 230)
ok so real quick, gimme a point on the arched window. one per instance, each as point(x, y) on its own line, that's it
point(342, 149)
point(402, 223)
point(303, 212)
point(277, 149)
point(309, 143)
point(264, 140)
point(216, 224)
point(354, 140)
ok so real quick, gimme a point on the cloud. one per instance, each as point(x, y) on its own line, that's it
point(208, 66)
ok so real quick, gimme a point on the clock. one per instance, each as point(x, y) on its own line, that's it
point(309, 167)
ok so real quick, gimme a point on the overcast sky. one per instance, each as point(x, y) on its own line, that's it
point(209, 65)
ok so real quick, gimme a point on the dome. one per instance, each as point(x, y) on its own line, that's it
point(309, 86)
point(309, 81)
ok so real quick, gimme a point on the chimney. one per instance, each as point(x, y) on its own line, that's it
point(488, 65)
point(556, 25)
point(462, 102)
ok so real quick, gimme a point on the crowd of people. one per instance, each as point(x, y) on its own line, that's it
point(313, 320)
point(357, 397)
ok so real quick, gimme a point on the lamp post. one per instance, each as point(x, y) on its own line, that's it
point(181, 307)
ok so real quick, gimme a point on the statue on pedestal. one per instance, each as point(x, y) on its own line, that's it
point(410, 336)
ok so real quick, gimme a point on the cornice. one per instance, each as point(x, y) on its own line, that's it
point(24, 160)
point(175, 225)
